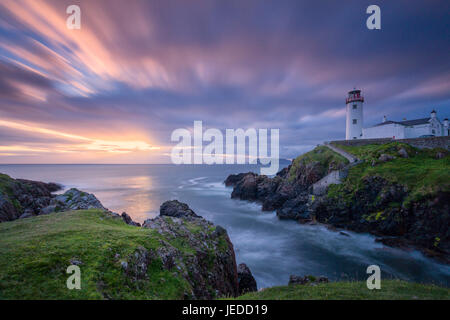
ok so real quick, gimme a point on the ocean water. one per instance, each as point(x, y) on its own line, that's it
point(272, 248)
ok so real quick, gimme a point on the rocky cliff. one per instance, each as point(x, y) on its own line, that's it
point(210, 268)
point(21, 199)
point(177, 255)
point(398, 192)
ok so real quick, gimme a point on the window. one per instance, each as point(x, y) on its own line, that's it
point(433, 131)
point(355, 106)
point(355, 121)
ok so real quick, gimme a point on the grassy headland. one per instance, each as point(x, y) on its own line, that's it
point(35, 253)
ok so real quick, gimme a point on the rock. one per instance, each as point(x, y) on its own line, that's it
point(28, 213)
point(386, 157)
point(323, 279)
point(211, 266)
point(440, 155)
point(137, 264)
point(48, 209)
point(296, 209)
point(75, 199)
point(403, 153)
point(7, 210)
point(219, 231)
point(247, 282)
point(128, 220)
point(293, 279)
point(344, 233)
point(176, 209)
point(307, 280)
point(233, 179)
point(76, 262)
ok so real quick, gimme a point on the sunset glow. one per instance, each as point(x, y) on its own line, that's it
point(114, 90)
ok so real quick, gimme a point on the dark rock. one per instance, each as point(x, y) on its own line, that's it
point(210, 266)
point(27, 198)
point(127, 219)
point(176, 209)
point(28, 213)
point(48, 209)
point(386, 157)
point(440, 155)
point(219, 231)
point(247, 282)
point(7, 210)
point(307, 280)
point(296, 209)
point(233, 179)
point(76, 262)
point(137, 264)
point(403, 153)
point(293, 279)
point(75, 199)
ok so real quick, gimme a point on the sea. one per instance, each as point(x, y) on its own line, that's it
point(273, 249)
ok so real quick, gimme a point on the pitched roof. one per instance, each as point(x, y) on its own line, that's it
point(406, 122)
point(414, 122)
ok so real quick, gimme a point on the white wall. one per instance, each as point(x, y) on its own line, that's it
point(386, 131)
point(354, 130)
point(417, 131)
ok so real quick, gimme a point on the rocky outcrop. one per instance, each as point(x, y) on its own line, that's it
point(307, 280)
point(245, 279)
point(127, 219)
point(286, 194)
point(208, 265)
point(423, 224)
point(176, 209)
point(398, 216)
point(24, 199)
point(75, 199)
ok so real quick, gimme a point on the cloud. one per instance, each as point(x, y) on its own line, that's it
point(139, 69)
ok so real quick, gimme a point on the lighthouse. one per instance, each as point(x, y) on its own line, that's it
point(354, 109)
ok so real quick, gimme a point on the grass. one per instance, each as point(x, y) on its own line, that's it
point(327, 158)
point(35, 253)
point(5, 182)
point(390, 290)
point(422, 173)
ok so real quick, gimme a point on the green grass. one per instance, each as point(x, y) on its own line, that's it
point(327, 158)
point(5, 182)
point(35, 253)
point(421, 173)
point(390, 290)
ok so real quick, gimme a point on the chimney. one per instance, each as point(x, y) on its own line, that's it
point(384, 119)
point(446, 122)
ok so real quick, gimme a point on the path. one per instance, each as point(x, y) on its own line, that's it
point(343, 153)
point(336, 176)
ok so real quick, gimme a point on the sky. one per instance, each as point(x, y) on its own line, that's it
point(114, 91)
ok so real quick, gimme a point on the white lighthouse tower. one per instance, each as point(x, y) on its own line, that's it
point(354, 107)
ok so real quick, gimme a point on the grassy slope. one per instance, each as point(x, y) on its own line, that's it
point(323, 155)
point(35, 252)
point(390, 290)
point(422, 173)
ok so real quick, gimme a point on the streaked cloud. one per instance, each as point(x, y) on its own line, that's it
point(114, 90)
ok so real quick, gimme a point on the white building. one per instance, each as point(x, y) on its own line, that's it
point(389, 129)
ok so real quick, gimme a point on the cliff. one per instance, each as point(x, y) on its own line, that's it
point(397, 192)
point(177, 255)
